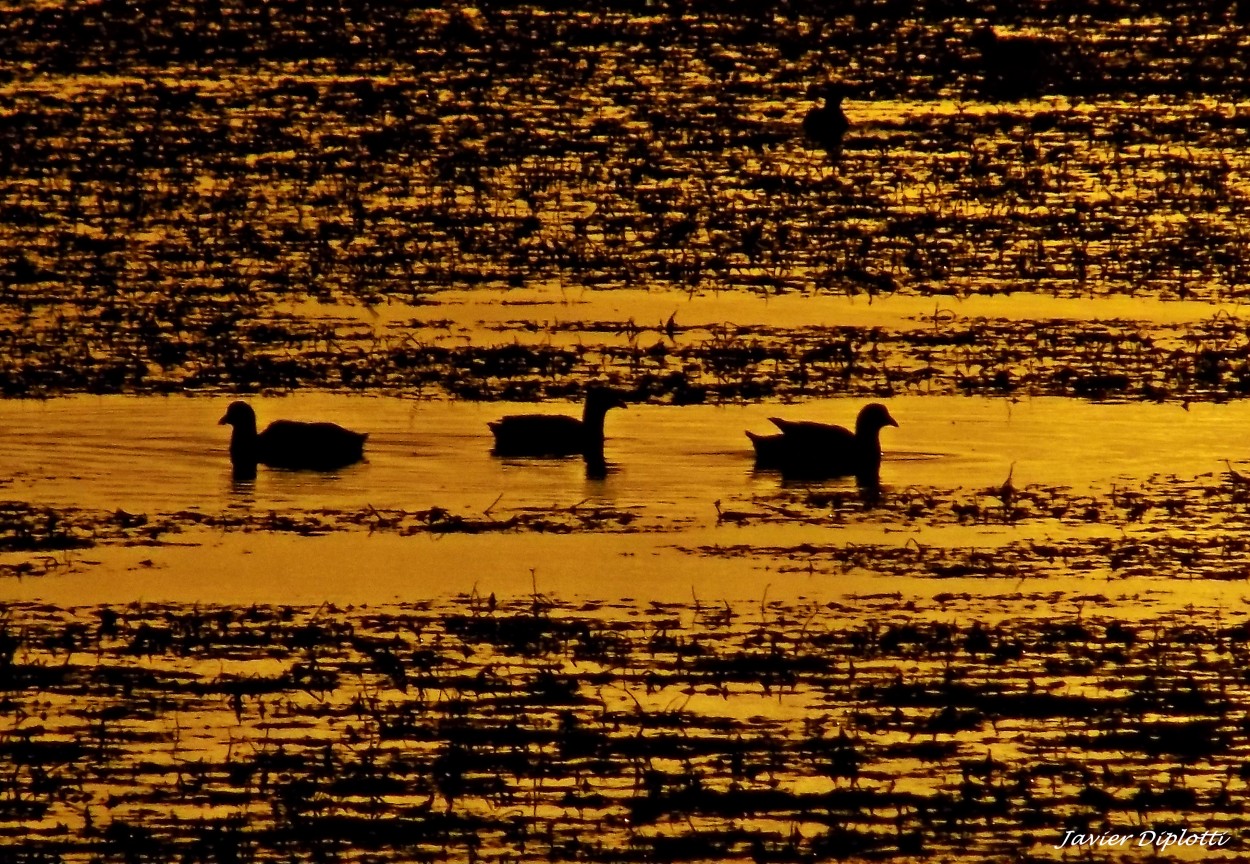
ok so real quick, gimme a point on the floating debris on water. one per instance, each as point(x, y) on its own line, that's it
point(166, 208)
point(532, 729)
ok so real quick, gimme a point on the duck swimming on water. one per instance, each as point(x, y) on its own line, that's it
point(288, 443)
point(557, 434)
point(809, 450)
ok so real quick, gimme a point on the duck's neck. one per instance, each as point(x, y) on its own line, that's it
point(592, 431)
point(868, 432)
point(868, 442)
point(243, 444)
point(596, 465)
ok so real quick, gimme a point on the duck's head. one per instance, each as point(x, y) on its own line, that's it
point(600, 400)
point(832, 92)
point(984, 38)
point(239, 415)
point(874, 417)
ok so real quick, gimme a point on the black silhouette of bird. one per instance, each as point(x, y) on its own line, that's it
point(810, 450)
point(557, 434)
point(825, 125)
point(1014, 67)
point(288, 443)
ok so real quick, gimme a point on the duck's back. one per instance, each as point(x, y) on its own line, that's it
point(818, 450)
point(324, 446)
point(538, 435)
point(810, 433)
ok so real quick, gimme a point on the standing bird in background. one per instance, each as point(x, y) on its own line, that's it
point(1014, 67)
point(825, 125)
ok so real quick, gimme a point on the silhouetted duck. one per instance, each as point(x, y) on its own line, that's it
point(819, 450)
point(557, 434)
point(1014, 67)
point(826, 125)
point(289, 443)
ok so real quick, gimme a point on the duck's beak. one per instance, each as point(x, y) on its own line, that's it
point(893, 423)
point(224, 420)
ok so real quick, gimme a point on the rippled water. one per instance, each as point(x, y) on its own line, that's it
point(169, 453)
point(670, 468)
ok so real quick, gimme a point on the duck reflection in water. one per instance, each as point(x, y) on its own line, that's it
point(288, 444)
point(806, 450)
point(557, 435)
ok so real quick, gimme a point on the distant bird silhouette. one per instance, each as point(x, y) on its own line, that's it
point(288, 443)
point(826, 125)
point(1014, 67)
point(557, 434)
point(814, 451)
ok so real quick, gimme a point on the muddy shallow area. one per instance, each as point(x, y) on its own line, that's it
point(528, 729)
point(189, 200)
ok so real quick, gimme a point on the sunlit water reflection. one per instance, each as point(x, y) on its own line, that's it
point(670, 468)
